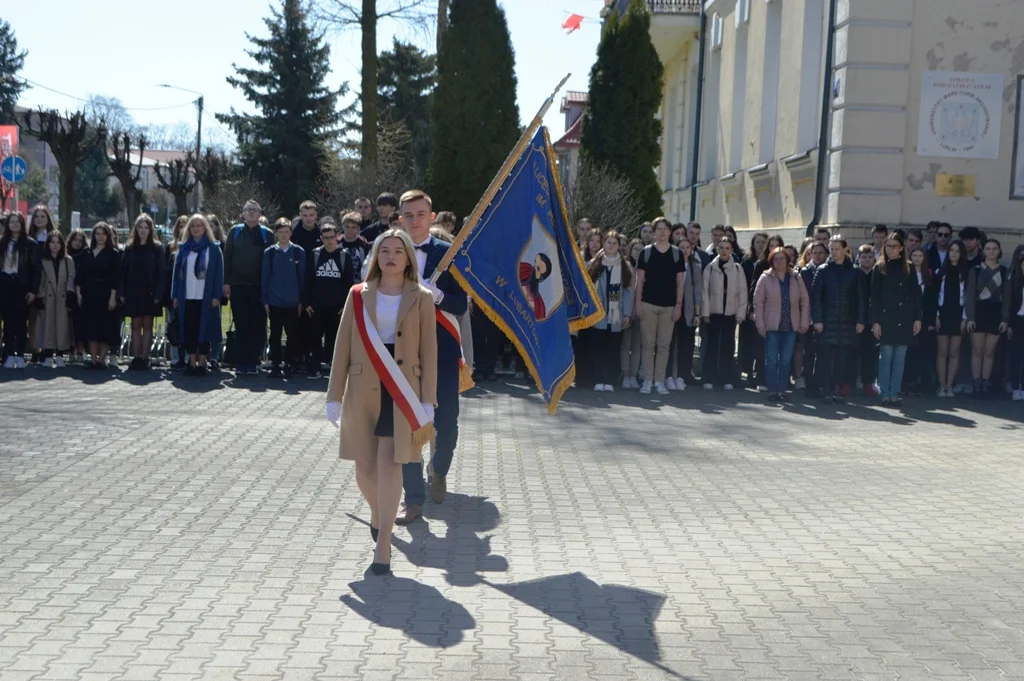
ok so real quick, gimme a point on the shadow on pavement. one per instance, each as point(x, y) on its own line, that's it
point(620, 616)
point(418, 610)
point(460, 552)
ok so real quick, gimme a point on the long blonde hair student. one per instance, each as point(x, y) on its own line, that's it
point(412, 273)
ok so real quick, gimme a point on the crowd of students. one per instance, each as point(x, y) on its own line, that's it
point(912, 312)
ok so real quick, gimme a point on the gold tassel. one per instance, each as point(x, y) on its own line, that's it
point(465, 378)
point(421, 437)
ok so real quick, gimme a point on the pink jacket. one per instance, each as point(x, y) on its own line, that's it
point(768, 302)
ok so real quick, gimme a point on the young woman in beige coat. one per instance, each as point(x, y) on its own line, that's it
point(54, 328)
point(375, 433)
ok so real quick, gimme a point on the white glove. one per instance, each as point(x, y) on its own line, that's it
point(429, 408)
point(334, 412)
point(435, 291)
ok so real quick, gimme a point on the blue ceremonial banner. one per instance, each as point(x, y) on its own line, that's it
point(520, 263)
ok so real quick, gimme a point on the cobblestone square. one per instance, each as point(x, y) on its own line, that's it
point(204, 529)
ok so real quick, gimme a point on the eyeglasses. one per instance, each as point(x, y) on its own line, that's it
point(945, 235)
point(250, 210)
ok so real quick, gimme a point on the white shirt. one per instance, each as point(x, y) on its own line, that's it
point(421, 257)
point(194, 287)
point(387, 316)
point(42, 236)
point(10, 260)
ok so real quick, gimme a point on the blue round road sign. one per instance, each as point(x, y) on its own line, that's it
point(13, 169)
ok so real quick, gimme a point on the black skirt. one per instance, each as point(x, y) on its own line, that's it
point(987, 316)
point(949, 321)
point(386, 421)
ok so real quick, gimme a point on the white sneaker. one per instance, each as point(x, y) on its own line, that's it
point(9, 363)
point(728, 386)
point(660, 387)
point(599, 388)
point(680, 385)
point(708, 386)
point(1018, 395)
point(58, 363)
point(19, 362)
point(670, 383)
point(609, 388)
point(942, 392)
point(645, 389)
point(625, 384)
point(800, 384)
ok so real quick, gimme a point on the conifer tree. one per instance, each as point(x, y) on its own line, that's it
point(620, 127)
point(281, 146)
point(474, 117)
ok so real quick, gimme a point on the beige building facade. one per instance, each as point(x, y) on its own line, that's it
point(921, 106)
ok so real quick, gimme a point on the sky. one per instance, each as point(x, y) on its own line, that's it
point(124, 48)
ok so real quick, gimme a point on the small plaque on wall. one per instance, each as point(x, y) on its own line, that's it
point(954, 185)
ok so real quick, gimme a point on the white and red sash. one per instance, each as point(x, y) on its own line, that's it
point(397, 385)
point(450, 323)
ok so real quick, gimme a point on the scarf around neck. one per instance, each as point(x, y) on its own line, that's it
point(199, 248)
point(613, 266)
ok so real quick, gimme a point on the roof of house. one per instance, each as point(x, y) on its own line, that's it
point(570, 138)
point(573, 97)
point(153, 156)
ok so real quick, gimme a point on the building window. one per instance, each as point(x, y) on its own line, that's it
point(742, 13)
point(811, 59)
point(716, 31)
point(709, 128)
point(739, 95)
point(770, 80)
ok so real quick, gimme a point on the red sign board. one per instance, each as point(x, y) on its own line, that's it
point(8, 147)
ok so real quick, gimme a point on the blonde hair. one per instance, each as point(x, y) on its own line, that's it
point(412, 270)
point(198, 217)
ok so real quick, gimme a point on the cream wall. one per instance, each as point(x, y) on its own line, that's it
point(872, 170)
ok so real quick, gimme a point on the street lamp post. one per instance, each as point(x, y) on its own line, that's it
point(199, 129)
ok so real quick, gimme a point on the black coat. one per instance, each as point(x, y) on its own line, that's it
point(896, 303)
point(143, 279)
point(836, 302)
point(29, 265)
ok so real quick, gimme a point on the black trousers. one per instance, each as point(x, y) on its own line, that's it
point(304, 340)
point(831, 368)
point(488, 342)
point(1017, 353)
point(193, 320)
point(14, 310)
point(283, 319)
point(867, 359)
point(751, 351)
point(810, 343)
point(584, 368)
point(250, 324)
point(684, 340)
point(603, 349)
point(324, 332)
point(446, 424)
point(919, 373)
point(719, 361)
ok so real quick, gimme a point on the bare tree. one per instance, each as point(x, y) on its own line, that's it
point(178, 178)
point(127, 172)
point(343, 15)
point(231, 194)
point(595, 191)
point(344, 179)
point(111, 112)
point(70, 138)
point(211, 168)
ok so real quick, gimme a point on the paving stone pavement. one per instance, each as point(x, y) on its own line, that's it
point(197, 529)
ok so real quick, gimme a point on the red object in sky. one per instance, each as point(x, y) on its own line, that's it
point(572, 23)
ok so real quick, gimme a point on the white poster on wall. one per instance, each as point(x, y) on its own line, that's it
point(961, 114)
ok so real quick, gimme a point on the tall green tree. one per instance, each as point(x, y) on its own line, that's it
point(405, 80)
point(620, 125)
point(11, 61)
point(33, 189)
point(280, 147)
point(93, 195)
point(474, 117)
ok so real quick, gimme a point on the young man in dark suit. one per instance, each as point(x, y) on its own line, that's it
point(417, 214)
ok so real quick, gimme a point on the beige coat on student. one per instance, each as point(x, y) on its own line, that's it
point(54, 330)
point(714, 288)
point(355, 383)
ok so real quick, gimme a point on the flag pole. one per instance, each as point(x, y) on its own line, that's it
point(495, 184)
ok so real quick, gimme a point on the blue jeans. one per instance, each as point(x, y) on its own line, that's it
point(446, 425)
point(778, 356)
point(891, 359)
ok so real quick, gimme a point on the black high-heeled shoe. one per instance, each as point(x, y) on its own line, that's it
point(380, 568)
point(374, 532)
